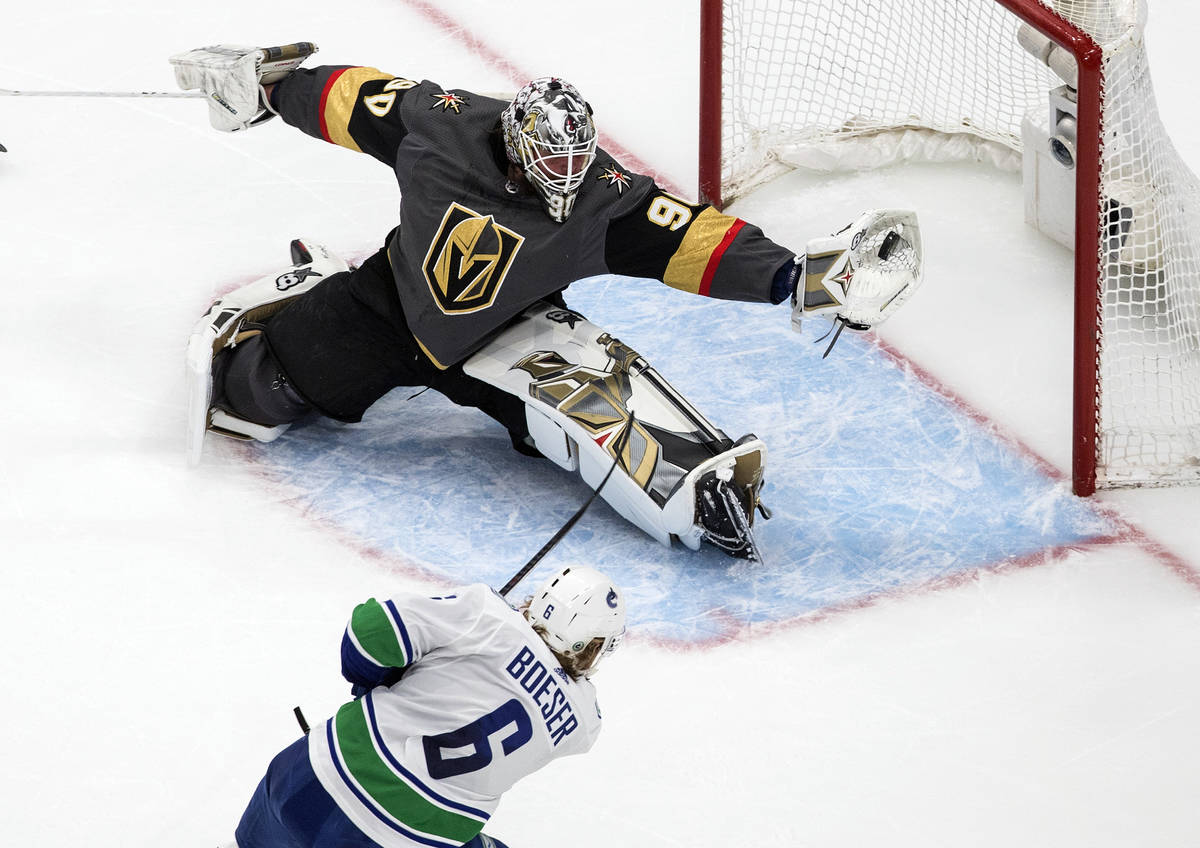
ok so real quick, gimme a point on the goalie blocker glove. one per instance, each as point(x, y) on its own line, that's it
point(862, 274)
point(232, 78)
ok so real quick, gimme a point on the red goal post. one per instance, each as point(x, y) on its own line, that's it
point(1137, 270)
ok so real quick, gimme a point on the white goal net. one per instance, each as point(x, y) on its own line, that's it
point(835, 84)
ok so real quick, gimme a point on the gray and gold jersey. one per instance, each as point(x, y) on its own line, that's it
point(473, 249)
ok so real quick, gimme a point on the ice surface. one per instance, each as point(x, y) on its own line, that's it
point(944, 649)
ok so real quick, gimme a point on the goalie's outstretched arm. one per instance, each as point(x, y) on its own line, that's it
point(354, 107)
point(357, 108)
point(694, 248)
point(859, 276)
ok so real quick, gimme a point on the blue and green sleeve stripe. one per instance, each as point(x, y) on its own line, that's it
point(375, 645)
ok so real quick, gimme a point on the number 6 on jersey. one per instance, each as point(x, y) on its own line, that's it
point(477, 735)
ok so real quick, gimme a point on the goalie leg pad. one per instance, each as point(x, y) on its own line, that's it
point(248, 383)
point(233, 320)
point(592, 400)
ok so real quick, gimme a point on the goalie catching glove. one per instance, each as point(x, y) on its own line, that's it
point(232, 78)
point(862, 274)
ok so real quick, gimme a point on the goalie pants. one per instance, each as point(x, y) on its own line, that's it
point(343, 345)
point(290, 809)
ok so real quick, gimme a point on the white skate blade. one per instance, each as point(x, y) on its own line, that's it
point(239, 428)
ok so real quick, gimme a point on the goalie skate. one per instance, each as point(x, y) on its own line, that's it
point(226, 324)
point(591, 400)
point(722, 510)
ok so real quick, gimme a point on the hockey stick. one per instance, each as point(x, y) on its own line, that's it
point(10, 92)
point(300, 718)
point(185, 95)
point(618, 447)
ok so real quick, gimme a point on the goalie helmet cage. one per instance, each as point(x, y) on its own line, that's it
point(849, 84)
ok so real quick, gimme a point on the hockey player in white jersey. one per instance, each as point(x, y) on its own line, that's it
point(457, 697)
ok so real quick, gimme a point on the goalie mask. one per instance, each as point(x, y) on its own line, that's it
point(581, 615)
point(548, 131)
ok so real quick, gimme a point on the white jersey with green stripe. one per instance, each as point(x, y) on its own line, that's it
point(482, 703)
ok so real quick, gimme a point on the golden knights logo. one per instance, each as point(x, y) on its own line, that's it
point(615, 178)
point(468, 260)
point(449, 101)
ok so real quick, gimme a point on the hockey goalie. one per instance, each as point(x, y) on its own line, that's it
point(504, 205)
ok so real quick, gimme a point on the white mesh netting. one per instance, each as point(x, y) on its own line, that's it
point(838, 84)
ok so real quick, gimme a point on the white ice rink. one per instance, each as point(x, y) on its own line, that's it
point(159, 623)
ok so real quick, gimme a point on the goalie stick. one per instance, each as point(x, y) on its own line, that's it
point(174, 95)
point(11, 92)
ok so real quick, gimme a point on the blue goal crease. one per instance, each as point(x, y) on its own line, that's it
point(875, 481)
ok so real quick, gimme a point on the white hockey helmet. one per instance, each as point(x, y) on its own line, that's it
point(548, 131)
point(580, 614)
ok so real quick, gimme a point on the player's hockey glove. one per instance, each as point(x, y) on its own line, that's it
point(232, 78)
point(862, 274)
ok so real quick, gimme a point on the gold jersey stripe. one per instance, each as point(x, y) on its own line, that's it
point(687, 269)
point(432, 358)
point(337, 106)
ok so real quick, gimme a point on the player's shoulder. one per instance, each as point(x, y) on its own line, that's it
point(485, 595)
point(616, 186)
point(484, 602)
point(430, 105)
point(458, 602)
point(474, 594)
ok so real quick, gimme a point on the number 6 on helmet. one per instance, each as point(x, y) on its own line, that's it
point(581, 615)
point(863, 273)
